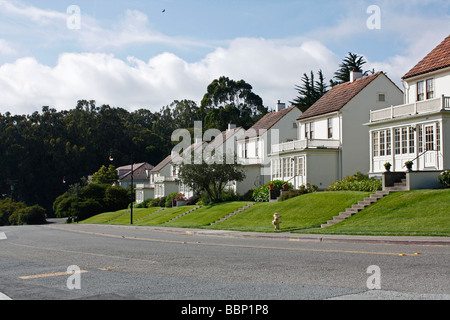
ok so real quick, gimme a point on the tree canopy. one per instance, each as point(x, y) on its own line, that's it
point(309, 91)
point(352, 62)
point(40, 150)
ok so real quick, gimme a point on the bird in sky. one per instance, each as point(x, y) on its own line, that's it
point(164, 11)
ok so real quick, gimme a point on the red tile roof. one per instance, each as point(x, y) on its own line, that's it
point(335, 99)
point(265, 123)
point(437, 59)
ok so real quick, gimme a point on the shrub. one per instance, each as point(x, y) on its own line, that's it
point(28, 215)
point(7, 208)
point(192, 200)
point(357, 182)
point(157, 202)
point(176, 196)
point(298, 192)
point(444, 178)
point(261, 194)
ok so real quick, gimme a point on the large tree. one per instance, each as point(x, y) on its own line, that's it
point(309, 91)
point(211, 178)
point(227, 100)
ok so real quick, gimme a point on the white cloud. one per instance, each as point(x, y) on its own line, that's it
point(271, 68)
point(6, 48)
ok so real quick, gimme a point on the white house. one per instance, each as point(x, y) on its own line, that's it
point(255, 145)
point(419, 129)
point(331, 140)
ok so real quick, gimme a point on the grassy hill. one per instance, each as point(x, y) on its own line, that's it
point(420, 212)
point(417, 213)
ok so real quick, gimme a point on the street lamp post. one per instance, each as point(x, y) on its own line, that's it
point(131, 187)
point(131, 193)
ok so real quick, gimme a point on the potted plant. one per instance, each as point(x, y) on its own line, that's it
point(180, 200)
point(409, 165)
point(387, 166)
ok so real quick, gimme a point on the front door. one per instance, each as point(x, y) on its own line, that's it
point(430, 160)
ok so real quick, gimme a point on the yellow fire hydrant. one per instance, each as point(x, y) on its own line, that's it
point(276, 221)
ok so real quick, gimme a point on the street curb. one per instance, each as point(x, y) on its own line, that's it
point(402, 240)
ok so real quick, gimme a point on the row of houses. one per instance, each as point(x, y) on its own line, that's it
point(357, 126)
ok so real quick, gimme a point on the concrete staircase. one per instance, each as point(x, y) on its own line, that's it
point(183, 214)
point(150, 214)
point(234, 213)
point(361, 205)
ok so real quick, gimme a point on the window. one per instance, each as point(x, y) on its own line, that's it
point(330, 128)
point(396, 141)
point(245, 150)
point(388, 143)
point(256, 148)
point(420, 138)
point(309, 130)
point(430, 88)
point(411, 140)
point(429, 138)
point(404, 140)
point(381, 97)
point(276, 168)
point(420, 91)
point(375, 144)
point(382, 143)
point(301, 166)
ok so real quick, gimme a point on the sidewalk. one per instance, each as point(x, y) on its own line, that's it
point(288, 236)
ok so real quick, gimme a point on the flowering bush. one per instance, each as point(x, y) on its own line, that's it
point(174, 197)
point(444, 178)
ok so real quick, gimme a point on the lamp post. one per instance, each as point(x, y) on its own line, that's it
point(111, 158)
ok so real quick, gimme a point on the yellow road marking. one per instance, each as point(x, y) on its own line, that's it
point(236, 245)
point(54, 274)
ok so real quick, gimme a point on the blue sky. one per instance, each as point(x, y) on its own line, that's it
point(130, 54)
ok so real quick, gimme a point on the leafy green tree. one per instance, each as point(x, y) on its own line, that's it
point(234, 99)
point(105, 175)
point(210, 178)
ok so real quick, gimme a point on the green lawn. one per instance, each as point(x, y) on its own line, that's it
point(420, 212)
point(303, 212)
point(120, 217)
point(163, 216)
point(206, 215)
point(417, 213)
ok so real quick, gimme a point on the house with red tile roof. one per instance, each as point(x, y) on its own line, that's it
point(418, 130)
point(255, 145)
point(331, 140)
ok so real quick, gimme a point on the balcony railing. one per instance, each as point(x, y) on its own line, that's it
point(305, 144)
point(426, 106)
point(161, 179)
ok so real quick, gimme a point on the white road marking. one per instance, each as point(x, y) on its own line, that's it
point(3, 236)
point(4, 297)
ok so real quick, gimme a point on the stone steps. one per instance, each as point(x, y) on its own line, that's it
point(233, 213)
point(361, 205)
point(183, 214)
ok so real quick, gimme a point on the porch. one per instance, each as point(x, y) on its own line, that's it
point(420, 107)
point(300, 145)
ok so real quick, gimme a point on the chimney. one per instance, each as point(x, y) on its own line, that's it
point(355, 75)
point(280, 106)
point(231, 126)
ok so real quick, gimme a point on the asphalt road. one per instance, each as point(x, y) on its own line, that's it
point(127, 263)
